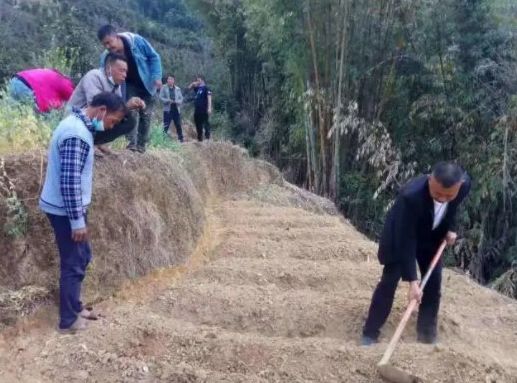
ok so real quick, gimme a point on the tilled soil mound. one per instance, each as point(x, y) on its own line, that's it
point(275, 290)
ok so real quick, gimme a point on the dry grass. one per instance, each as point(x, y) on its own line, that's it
point(507, 283)
point(148, 213)
point(18, 303)
point(288, 195)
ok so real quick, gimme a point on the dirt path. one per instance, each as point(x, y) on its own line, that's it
point(273, 294)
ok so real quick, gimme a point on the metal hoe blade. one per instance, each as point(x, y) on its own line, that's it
point(395, 375)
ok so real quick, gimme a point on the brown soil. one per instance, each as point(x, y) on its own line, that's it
point(275, 290)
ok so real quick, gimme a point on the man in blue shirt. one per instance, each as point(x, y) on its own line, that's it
point(144, 76)
point(202, 107)
point(67, 193)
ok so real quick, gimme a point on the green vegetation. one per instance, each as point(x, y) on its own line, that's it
point(351, 98)
point(17, 217)
point(21, 129)
point(62, 34)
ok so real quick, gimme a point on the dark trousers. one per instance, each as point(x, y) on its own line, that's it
point(173, 115)
point(123, 128)
point(74, 258)
point(201, 121)
point(139, 136)
point(384, 294)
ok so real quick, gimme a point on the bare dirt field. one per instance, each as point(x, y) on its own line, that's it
point(275, 291)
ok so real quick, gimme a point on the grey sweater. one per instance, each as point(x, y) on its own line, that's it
point(92, 83)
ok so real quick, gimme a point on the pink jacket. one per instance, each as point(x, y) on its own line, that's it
point(51, 88)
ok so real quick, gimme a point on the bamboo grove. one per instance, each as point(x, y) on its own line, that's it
point(351, 98)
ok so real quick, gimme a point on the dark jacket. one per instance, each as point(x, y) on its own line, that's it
point(408, 226)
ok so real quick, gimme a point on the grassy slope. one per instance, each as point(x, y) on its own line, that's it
point(32, 28)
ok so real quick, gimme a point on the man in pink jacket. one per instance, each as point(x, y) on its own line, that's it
point(47, 88)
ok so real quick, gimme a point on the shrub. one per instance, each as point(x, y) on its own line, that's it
point(21, 129)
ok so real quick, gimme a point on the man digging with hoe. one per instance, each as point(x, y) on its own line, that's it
point(422, 218)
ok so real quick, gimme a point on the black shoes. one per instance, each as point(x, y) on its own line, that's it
point(136, 148)
point(427, 338)
point(422, 338)
point(368, 341)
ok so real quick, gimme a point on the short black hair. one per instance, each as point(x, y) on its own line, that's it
point(448, 173)
point(106, 30)
point(202, 77)
point(113, 102)
point(112, 57)
point(171, 75)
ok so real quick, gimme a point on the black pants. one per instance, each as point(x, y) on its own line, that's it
point(384, 294)
point(123, 128)
point(173, 115)
point(201, 121)
point(139, 136)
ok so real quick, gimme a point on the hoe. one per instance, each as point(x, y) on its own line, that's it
point(389, 372)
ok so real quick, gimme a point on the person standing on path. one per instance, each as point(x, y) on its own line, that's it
point(67, 193)
point(424, 214)
point(144, 77)
point(172, 99)
point(202, 107)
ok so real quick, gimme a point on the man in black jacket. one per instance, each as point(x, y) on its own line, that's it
point(422, 217)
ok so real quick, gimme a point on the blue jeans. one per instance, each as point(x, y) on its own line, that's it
point(74, 259)
point(20, 91)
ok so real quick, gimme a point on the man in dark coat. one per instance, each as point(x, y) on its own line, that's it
point(423, 215)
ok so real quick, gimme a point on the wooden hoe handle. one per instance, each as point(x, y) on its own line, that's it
point(411, 307)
